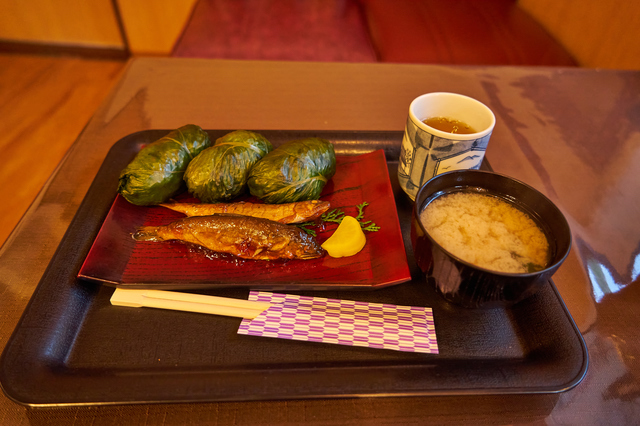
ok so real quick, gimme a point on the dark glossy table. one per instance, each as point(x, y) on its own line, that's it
point(574, 134)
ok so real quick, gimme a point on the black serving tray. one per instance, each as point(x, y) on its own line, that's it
point(72, 347)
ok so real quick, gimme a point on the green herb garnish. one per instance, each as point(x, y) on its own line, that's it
point(368, 225)
point(336, 216)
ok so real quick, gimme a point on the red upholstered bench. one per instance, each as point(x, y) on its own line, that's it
point(291, 30)
point(474, 32)
point(478, 32)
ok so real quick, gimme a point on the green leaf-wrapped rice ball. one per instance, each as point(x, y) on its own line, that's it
point(295, 171)
point(220, 172)
point(155, 174)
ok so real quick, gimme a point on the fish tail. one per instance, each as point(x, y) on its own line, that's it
point(173, 206)
point(147, 233)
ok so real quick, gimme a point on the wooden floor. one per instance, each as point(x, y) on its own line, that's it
point(45, 102)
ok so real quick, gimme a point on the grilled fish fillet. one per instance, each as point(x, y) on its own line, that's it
point(301, 211)
point(243, 236)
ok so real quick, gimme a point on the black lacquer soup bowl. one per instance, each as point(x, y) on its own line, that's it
point(471, 286)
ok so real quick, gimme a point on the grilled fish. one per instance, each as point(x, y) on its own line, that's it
point(298, 212)
point(243, 236)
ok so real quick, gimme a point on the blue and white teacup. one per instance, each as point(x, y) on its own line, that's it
point(427, 151)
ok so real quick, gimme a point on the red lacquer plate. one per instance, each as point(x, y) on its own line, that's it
point(115, 259)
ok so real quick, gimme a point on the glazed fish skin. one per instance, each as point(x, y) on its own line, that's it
point(243, 236)
point(298, 212)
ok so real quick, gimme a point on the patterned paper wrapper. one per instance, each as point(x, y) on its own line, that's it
point(343, 322)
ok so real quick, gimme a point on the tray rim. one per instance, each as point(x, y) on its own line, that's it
point(51, 271)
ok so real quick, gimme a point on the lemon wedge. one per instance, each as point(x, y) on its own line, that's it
point(347, 240)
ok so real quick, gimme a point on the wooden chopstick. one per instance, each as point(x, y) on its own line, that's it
point(188, 302)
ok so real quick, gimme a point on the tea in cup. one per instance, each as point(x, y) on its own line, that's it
point(444, 132)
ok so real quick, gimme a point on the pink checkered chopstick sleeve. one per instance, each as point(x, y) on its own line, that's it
point(343, 322)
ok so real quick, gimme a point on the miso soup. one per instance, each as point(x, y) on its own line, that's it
point(487, 231)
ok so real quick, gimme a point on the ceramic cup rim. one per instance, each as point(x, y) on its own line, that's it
point(469, 101)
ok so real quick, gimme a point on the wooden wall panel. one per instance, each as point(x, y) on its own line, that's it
point(599, 34)
point(153, 26)
point(89, 23)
